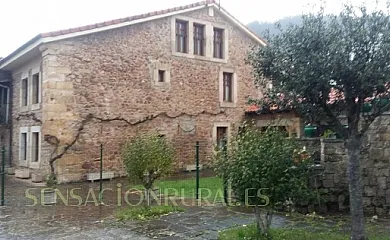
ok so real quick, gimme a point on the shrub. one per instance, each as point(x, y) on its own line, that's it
point(148, 157)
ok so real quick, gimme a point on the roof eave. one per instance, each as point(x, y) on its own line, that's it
point(28, 46)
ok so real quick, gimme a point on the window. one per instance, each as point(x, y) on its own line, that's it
point(24, 92)
point(35, 88)
point(161, 75)
point(35, 147)
point(181, 36)
point(221, 136)
point(218, 43)
point(23, 146)
point(227, 87)
point(199, 39)
point(3, 105)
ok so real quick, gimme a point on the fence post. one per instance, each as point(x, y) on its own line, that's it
point(197, 168)
point(101, 174)
point(2, 175)
point(225, 181)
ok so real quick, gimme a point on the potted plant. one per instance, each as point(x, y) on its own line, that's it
point(329, 134)
point(49, 194)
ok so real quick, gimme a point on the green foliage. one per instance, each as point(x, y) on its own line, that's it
point(266, 160)
point(143, 213)
point(328, 133)
point(329, 65)
point(51, 180)
point(250, 233)
point(147, 158)
point(211, 186)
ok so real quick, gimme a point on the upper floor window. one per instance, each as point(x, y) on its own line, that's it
point(227, 87)
point(35, 88)
point(24, 92)
point(199, 42)
point(218, 43)
point(181, 36)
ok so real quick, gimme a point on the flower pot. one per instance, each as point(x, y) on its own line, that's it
point(310, 131)
point(49, 196)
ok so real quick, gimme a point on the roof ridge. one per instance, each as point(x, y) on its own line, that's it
point(125, 19)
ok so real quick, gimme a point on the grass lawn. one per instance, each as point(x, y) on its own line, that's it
point(250, 233)
point(142, 213)
point(210, 188)
point(308, 228)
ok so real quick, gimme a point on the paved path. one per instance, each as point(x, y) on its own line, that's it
point(85, 223)
point(90, 222)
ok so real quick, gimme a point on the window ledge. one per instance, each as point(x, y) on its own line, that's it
point(162, 85)
point(36, 106)
point(228, 104)
point(199, 57)
point(24, 109)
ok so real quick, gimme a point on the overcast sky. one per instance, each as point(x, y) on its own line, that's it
point(20, 20)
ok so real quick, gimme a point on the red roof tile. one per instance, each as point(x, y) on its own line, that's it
point(252, 108)
point(127, 19)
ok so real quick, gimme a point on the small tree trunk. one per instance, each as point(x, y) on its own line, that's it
point(355, 187)
point(263, 221)
point(258, 219)
point(148, 185)
point(148, 202)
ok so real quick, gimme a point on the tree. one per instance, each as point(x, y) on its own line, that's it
point(147, 158)
point(331, 66)
point(265, 170)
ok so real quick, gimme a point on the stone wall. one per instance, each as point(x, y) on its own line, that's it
point(100, 88)
point(375, 159)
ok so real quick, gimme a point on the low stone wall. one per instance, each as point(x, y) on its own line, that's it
point(375, 159)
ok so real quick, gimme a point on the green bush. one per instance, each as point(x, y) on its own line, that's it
point(269, 161)
point(148, 157)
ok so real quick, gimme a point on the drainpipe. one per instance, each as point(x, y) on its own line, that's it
point(10, 122)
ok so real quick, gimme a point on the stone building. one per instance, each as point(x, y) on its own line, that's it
point(180, 72)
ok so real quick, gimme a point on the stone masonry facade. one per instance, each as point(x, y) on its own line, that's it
point(101, 88)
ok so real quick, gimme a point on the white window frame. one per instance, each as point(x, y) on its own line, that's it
point(161, 66)
point(22, 162)
point(23, 77)
point(28, 162)
point(29, 76)
point(35, 129)
point(233, 103)
point(209, 39)
point(33, 72)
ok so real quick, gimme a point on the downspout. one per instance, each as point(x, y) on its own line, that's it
point(10, 122)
